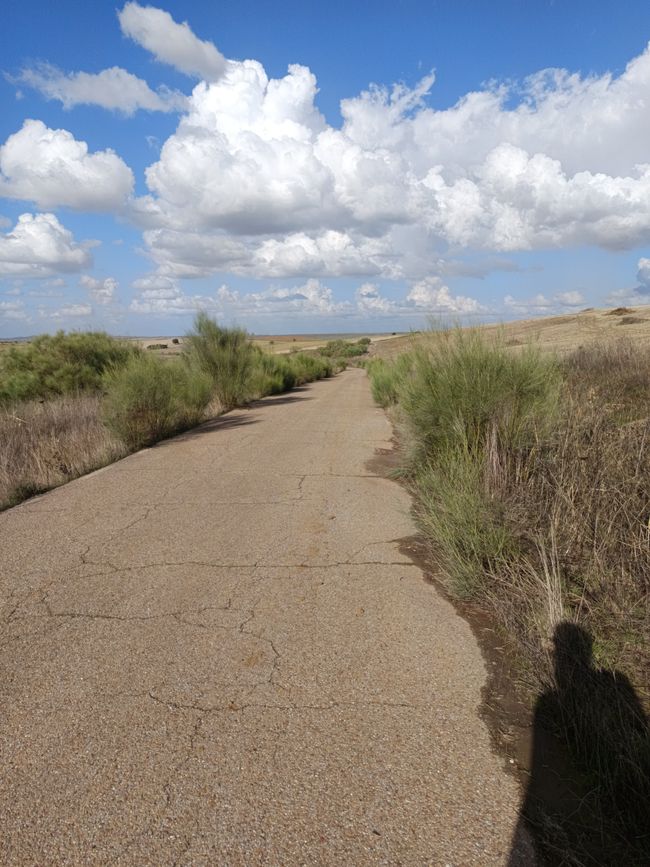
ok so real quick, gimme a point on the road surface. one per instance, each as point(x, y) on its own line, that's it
point(214, 653)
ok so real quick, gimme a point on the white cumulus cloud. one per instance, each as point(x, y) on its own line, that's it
point(51, 168)
point(254, 181)
point(330, 254)
point(195, 254)
point(156, 286)
point(163, 296)
point(170, 42)
point(370, 300)
point(432, 297)
point(570, 299)
point(558, 160)
point(39, 246)
point(243, 157)
point(312, 297)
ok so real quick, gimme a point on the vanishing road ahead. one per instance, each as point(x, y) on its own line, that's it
point(214, 653)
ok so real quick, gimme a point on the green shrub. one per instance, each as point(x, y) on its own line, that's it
point(465, 400)
point(272, 374)
point(226, 355)
point(345, 348)
point(388, 377)
point(148, 399)
point(308, 368)
point(463, 387)
point(460, 521)
point(60, 364)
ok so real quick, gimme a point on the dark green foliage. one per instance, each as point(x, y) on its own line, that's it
point(226, 355)
point(387, 377)
point(60, 364)
point(345, 348)
point(272, 374)
point(307, 368)
point(463, 388)
point(148, 399)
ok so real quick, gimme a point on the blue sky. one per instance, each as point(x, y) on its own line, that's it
point(320, 167)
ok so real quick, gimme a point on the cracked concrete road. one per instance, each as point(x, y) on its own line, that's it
point(214, 653)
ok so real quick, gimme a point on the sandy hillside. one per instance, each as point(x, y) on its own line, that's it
point(556, 333)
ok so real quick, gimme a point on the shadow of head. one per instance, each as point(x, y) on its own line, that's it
point(597, 704)
point(573, 654)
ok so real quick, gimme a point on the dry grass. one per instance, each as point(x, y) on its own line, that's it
point(284, 344)
point(584, 493)
point(559, 334)
point(45, 444)
point(274, 344)
point(280, 344)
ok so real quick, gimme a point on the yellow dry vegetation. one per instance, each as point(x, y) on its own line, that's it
point(560, 334)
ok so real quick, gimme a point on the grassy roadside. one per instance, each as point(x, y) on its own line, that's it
point(532, 482)
point(71, 403)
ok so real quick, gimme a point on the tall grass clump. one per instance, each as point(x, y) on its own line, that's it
point(459, 519)
point(464, 389)
point(226, 355)
point(52, 365)
point(465, 399)
point(308, 368)
point(271, 374)
point(148, 399)
point(387, 377)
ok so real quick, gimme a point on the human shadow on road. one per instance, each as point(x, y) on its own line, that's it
point(219, 423)
point(279, 399)
point(239, 417)
point(588, 796)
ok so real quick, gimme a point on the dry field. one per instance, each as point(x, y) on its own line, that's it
point(276, 344)
point(559, 334)
point(280, 344)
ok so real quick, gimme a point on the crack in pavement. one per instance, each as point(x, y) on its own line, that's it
point(156, 605)
point(236, 707)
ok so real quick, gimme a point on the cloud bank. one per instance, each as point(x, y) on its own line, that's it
point(255, 182)
point(399, 183)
